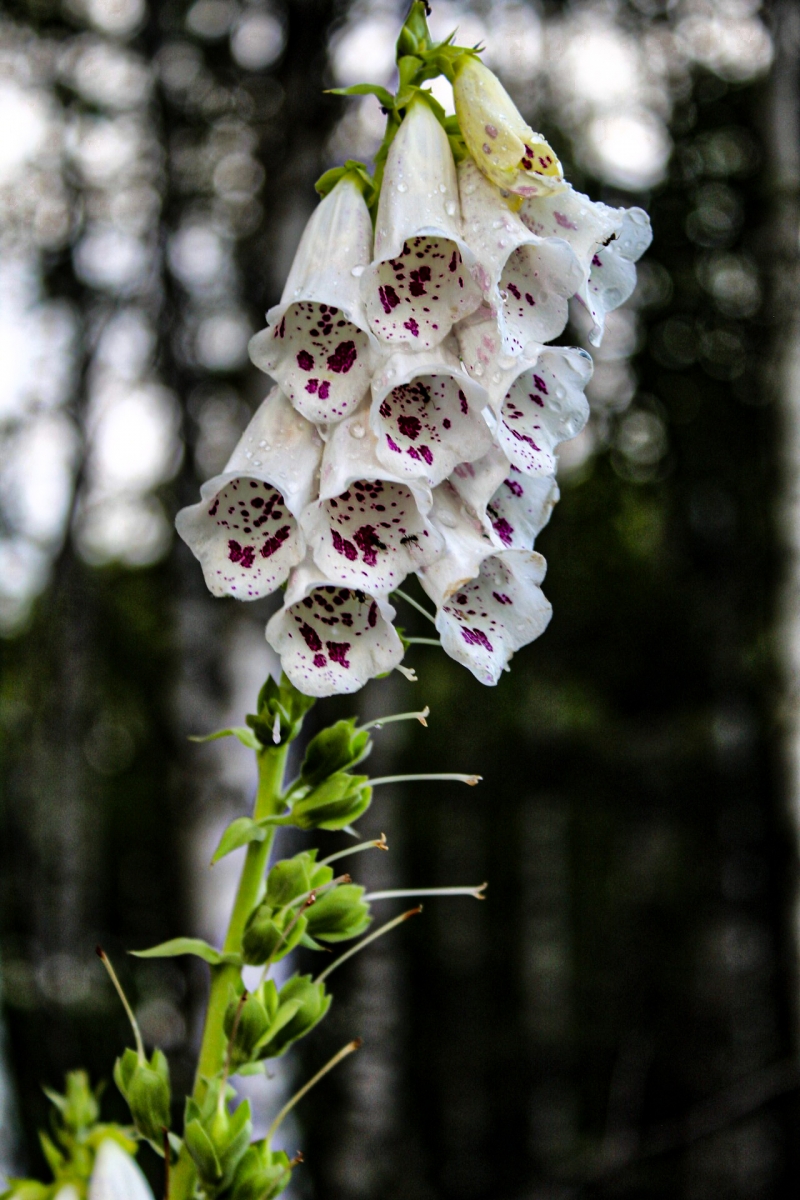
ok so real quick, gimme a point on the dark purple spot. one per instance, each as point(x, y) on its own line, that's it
point(392, 445)
point(305, 361)
point(426, 454)
point(275, 542)
point(372, 615)
point(530, 299)
point(504, 531)
point(512, 287)
point(536, 399)
point(243, 555)
point(312, 386)
point(320, 660)
point(412, 326)
point(388, 298)
point(212, 512)
point(502, 598)
point(368, 543)
point(463, 400)
point(597, 261)
point(476, 637)
point(310, 637)
point(343, 546)
point(540, 384)
point(324, 390)
point(527, 164)
point(490, 129)
point(454, 261)
point(410, 427)
point(343, 357)
point(338, 652)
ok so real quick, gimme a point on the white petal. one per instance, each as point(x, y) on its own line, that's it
point(427, 414)
point(332, 640)
point(526, 279)
point(351, 452)
point(244, 531)
point(483, 623)
point(371, 535)
point(419, 283)
point(116, 1176)
point(467, 544)
point(544, 406)
point(317, 344)
point(515, 507)
point(67, 1192)
point(609, 274)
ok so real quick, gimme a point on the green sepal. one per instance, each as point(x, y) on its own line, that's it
point(286, 1012)
point(334, 749)
point(288, 879)
point(241, 732)
point(365, 89)
point(186, 945)
point(339, 914)
point(55, 1159)
point(148, 1097)
point(268, 936)
point(356, 170)
point(245, 1027)
point(262, 1174)
point(201, 1148)
point(415, 35)
point(239, 833)
point(312, 1005)
point(336, 802)
point(27, 1189)
point(124, 1069)
point(281, 700)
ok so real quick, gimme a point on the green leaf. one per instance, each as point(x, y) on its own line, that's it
point(244, 735)
point(255, 1068)
point(185, 945)
point(366, 89)
point(239, 833)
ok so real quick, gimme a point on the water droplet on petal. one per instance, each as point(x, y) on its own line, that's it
point(477, 370)
point(256, 462)
point(357, 271)
point(402, 187)
point(560, 392)
point(450, 208)
point(442, 187)
point(357, 430)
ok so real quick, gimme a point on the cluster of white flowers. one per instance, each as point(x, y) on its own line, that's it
point(418, 407)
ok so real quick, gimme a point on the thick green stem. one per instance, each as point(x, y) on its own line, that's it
point(271, 763)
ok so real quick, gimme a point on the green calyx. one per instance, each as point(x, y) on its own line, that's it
point(280, 711)
point(262, 1174)
point(336, 748)
point(145, 1087)
point(216, 1139)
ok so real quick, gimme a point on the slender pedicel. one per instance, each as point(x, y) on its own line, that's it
point(379, 722)
point(414, 604)
point(104, 959)
point(287, 1108)
point(471, 780)
point(412, 912)
point(381, 844)
point(414, 641)
point(410, 893)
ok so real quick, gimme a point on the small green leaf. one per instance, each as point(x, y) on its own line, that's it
point(185, 945)
point(255, 1068)
point(366, 89)
point(239, 833)
point(244, 735)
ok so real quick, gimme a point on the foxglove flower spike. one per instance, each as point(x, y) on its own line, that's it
point(317, 344)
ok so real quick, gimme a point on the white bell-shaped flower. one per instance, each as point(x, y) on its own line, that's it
point(428, 415)
point(607, 241)
point(244, 531)
point(317, 344)
point(526, 280)
point(467, 541)
point(332, 640)
point(116, 1176)
point(419, 283)
point(367, 530)
point(538, 402)
point(514, 506)
point(482, 623)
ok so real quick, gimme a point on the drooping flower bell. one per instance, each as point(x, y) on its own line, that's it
point(116, 1176)
point(330, 638)
point(245, 531)
point(499, 139)
point(516, 507)
point(419, 283)
point(317, 344)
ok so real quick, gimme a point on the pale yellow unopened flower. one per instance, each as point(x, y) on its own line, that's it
point(505, 148)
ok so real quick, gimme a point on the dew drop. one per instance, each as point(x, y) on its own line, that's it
point(497, 224)
point(477, 370)
point(560, 392)
point(357, 271)
point(450, 208)
point(256, 462)
point(357, 430)
point(248, 453)
point(442, 187)
point(402, 187)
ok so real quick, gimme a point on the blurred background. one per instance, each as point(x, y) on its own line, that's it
point(620, 1017)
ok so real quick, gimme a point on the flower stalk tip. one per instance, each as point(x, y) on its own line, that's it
point(105, 960)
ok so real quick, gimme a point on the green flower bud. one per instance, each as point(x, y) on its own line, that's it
point(80, 1109)
point(338, 914)
point(309, 1004)
point(334, 749)
point(145, 1087)
point(246, 1023)
point(216, 1139)
point(284, 702)
point(337, 802)
point(288, 879)
point(262, 1174)
point(270, 934)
